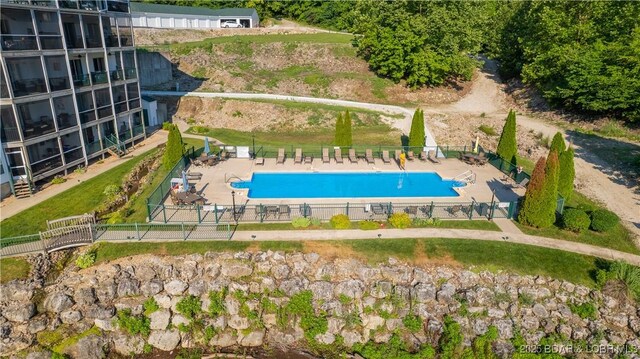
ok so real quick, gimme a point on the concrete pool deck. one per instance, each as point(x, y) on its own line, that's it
point(215, 185)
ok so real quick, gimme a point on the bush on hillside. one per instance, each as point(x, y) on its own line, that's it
point(340, 221)
point(575, 220)
point(400, 220)
point(603, 220)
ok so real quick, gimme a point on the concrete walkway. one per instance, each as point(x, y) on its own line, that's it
point(507, 225)
point(403, 125)
point(574, 247)
point(12, 206)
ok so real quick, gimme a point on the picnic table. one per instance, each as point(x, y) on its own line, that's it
point(189, 198)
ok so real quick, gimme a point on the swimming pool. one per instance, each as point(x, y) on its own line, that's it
point(348, 185)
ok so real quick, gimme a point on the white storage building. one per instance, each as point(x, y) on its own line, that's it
point(187, 17)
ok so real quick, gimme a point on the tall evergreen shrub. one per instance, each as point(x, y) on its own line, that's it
point(557, 144)
point(348, 133)
point(339, 136)
point(416, 134)
point(567, 174)
point(174, 149)
point(507, 146)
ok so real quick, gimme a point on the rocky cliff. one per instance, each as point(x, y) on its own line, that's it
point(227, 300)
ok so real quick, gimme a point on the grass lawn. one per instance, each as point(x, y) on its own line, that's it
point(619, 238)
point(13, 268)
point(381, 134)
point(319, 38)
point(286, 226)
point(481, 255)
point(83, 198)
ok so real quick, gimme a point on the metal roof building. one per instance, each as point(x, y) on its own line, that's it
point(187, 17)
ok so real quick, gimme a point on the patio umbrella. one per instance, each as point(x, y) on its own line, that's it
point(185, 183)
point(475, 147)
point(206, 146)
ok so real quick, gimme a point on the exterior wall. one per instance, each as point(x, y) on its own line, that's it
point(154, 69)
point(5, 176)
point(152, 110)
point(71, 81)
point(168, 21)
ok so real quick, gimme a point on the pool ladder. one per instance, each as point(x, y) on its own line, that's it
point(468, 177)
point(231, 176)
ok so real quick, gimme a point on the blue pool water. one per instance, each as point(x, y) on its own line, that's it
point(348, 185)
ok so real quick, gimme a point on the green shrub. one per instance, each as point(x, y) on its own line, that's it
point(112, 190)
point(584, 310)
point(167, 126)
point(507, 145)
point(315, 222)
point(426, 222)
point(189, 306)
point(451, 339)
point(368, 225)
point(340, 221)
point(300, 222)
point(58, 180)
point(115, 218)
point(80, 170)
point(575, 220)
point(86, 259)
point(216, 302)
point(624, 273)
point(150, 306)
point(603, 220)
point(133, 324)
point(488, 130)
point(412, 322)
point(400, 220)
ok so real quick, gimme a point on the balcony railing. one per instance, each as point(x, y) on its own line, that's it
point(131, 72)
point(51, 42)
point(68, 4)
point(117, 75)
point(138, 130)
point(73, 154)
point(93, 147)
point(111, 40)
point(19, 42)
point(126, 41)
point(10, 134)
point(119, 6)
point(48, 3)
point(88, 5)
point(46, 164)
point(34, 129)
point(105, 111)
point(59, 83)
point(121, 107)
point(88, 116)
point(81, 80)
point(93, 42)
point(28, 86)
point(66, 120)
point(124, 134)
point(133, 104)
point(74, 42)
point(99, 77)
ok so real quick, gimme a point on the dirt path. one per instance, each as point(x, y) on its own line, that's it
point(487, 96)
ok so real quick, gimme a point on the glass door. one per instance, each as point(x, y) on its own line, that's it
point(17, 163)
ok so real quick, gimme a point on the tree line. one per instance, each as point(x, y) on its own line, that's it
point(583, 56)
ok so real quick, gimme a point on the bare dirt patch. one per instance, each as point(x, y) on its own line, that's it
point(422, 259)
point(331, 250)
point(261, 116)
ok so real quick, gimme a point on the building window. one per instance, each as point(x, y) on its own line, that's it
point(26, 76)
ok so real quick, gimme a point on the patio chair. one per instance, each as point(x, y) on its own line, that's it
point(378, 208)
point(308, 159)
point(325, 155)
point(305, 210)
point(396, 155)
point(338, 155)
point(432, 157)
point(453, 211)
point(284, 210)
point(482, 159)
point(385, 156)
point(280, 158)
point(411, 210)
point(352, 155)
point(423, 155)
point(298, 156)
point(410, 156)
point(260, 161)
point(522, 183)
point(368, 155)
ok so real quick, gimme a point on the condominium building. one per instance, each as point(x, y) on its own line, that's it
point(69, 85)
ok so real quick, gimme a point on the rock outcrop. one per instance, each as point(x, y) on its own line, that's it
point(227, 300)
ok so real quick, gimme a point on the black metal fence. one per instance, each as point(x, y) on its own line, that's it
point(380, 211)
